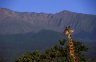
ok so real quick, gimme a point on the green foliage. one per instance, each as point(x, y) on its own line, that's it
point(79, 50)
point(30, 57)
point(58, 53)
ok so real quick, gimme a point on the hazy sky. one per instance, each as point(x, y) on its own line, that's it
point(50, 6)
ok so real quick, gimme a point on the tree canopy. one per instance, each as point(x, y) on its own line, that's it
point(58, 53)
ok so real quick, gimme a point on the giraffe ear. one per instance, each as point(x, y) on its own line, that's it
point(72, 30)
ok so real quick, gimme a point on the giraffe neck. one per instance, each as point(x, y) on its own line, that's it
point(71, 47)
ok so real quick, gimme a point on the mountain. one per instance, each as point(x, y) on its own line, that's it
point(12, 22)
point(24, 31)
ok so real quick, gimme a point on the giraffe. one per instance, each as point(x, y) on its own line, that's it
point(68, 32)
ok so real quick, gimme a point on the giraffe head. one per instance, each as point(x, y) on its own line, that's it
point(68, 30)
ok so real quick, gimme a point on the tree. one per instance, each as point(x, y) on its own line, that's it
point(30, 57)
point(58, 53)
point(80, 48)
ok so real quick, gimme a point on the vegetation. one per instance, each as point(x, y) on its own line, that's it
point(58, 53)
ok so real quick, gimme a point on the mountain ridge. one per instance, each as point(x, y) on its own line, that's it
point(66, 11)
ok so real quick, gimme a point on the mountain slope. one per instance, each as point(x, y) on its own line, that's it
point(12, 46)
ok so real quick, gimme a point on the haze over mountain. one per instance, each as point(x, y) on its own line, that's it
point(39, 30)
